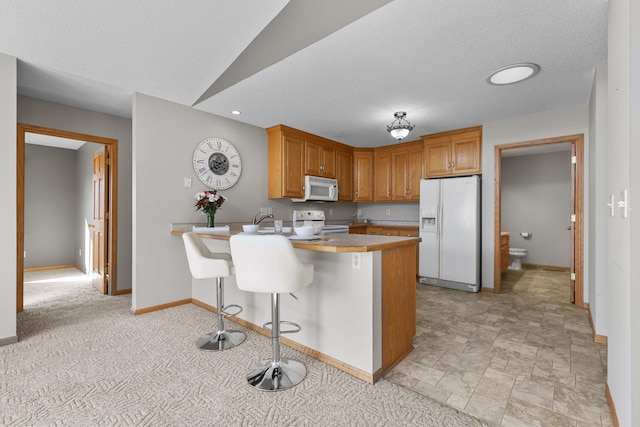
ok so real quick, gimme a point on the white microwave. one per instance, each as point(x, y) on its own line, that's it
point(321, 189)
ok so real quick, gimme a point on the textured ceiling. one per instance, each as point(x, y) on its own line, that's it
point(426, 57)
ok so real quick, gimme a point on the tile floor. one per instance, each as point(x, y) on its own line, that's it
point(525, 357)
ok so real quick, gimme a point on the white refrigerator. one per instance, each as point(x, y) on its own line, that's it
point(450, 232)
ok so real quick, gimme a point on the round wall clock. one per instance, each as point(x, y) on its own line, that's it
point(217, 163)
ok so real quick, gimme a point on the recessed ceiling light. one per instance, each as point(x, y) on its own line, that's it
point(513, 73)
point(236, 112)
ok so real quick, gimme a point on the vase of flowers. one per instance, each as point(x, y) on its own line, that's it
point(209, 201)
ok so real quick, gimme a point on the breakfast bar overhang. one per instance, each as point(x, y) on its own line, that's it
point(358, 314)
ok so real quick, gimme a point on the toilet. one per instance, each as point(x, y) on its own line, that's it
point(516, 258)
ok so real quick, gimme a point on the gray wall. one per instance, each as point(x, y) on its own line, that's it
point(623, 158)
point(598, 197)
point(56, 116)
point(520, 129)
point(536, 198)
point(49, 206)
point(404, 212)
point(160, 271)
point(8, 185)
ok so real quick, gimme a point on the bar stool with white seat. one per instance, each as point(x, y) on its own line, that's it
point(269, 264)
point(205, 264)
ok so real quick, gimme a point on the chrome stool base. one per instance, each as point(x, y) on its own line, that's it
point(218, 341)
point(273, 376)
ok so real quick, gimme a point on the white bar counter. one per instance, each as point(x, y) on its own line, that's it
point(358, 314)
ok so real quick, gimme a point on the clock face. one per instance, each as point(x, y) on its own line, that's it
point(217, 163)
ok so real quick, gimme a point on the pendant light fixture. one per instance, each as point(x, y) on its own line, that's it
point(400, 127)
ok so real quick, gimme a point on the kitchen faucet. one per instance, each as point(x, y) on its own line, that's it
point(259, 218)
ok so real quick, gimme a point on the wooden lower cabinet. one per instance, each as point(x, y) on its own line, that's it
point(504, 250)
point(382, 230)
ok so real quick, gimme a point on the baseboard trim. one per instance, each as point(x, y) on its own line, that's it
point(545, 267)
point(9, 340)
point(358, 373)
point(123, 291)
point(489, 290)
point(612, 406)
point(52, 267)
point(602, 339)
point(161, 306)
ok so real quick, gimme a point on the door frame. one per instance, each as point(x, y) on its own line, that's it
point(577, 190)
point(112, 209)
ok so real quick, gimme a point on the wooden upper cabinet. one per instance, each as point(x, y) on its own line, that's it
point(313, 157)
point(465, 155)
point(286, 162)
point(344, 174)
point(416, 171)
point(453, 153)
point(437, 158)
point(320, 160)
point(363, 174)
point(382, 176)
point(406, 165)
point(293, 153)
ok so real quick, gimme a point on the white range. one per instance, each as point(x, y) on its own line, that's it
point(316, 217)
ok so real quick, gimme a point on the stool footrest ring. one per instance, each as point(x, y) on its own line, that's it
point(236, 306)
point(297, 328)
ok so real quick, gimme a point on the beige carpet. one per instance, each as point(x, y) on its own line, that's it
point(84, 359)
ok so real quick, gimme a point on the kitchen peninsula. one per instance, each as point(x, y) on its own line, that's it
point(358, 314)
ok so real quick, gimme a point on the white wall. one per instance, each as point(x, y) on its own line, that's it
point(56, 116)
point(8, 223)
point(598, 211)
point(525, 128)
point(536, 198)
point(160, 272)
point(623, 138)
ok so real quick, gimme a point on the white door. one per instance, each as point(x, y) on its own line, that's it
point(459, 230)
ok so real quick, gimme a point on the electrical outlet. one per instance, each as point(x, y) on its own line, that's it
point(359, 212)
point(356, 260)
point(80, 252)
point(388, 212)
point(330, 211)
point(187, 182)
point(25, 254)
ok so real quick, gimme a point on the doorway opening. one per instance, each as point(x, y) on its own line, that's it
point(111, 183)
point(575, 221)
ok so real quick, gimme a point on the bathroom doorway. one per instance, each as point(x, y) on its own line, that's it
point(574, 218)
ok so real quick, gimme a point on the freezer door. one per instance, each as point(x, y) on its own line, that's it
point(459, 244)
point(429, 253)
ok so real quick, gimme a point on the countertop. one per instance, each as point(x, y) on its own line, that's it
point(328, 242)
